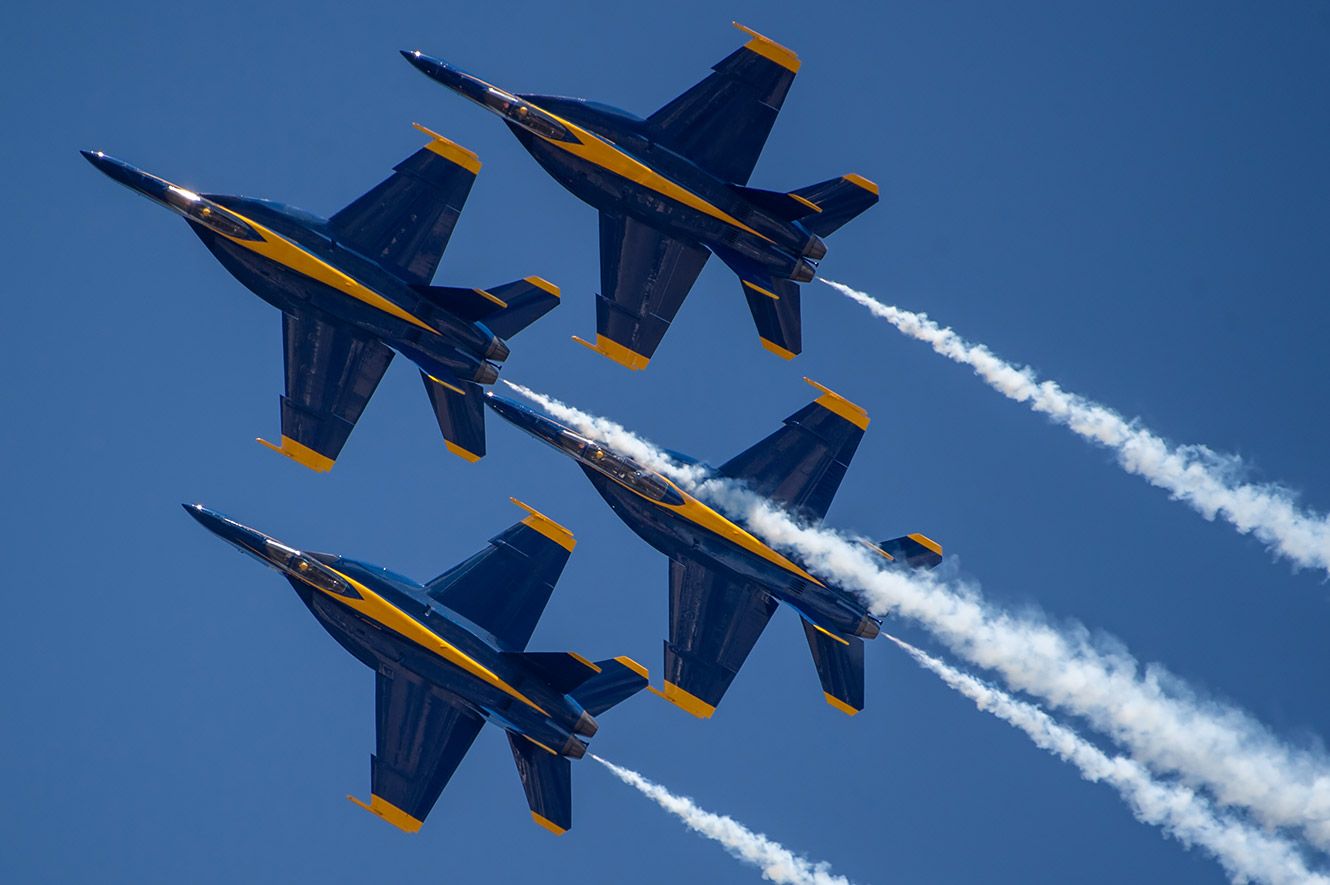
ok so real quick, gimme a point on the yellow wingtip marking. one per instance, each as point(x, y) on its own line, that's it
point(834, 402)
point(301, 454)
point(468, 457)
point(384, 809)
point(768, 48)
point(860, 181)
point(542, 283)
point(809, 203)
point(634, 666)
point(451, 150)
point(927, 542)
point(615, 351)
point(759, 290)
point(777, 349)
point(546, 526)
point(839, 704)
point(548, 824)
point(685, 701)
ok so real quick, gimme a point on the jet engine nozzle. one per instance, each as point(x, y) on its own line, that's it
point(574, 747)
point(497, 350)
point(486, 373)
point(868, 628)
point(804, 272)
point(816, 249)
point(586, 725)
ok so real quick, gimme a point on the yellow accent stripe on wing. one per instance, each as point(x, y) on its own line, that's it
point(825, 632)
point(615, 351)
point(451, 150)
point(490, 298)
point(541, 523)
point(300, 453)
point(837, 404)
point(548, 824)
point(542, 283)
point(759, 290)
point(768, 48)
point(539, 744)
point(809, 203)
point(878, 550)
point(583, 661)
point(381, 611)
point(389, 812)
point(839, 704)
point(454, 388)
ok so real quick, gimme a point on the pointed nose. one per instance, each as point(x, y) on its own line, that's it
point(440, 70)
point(130, 176)
point(247, 539)
point(512, 412)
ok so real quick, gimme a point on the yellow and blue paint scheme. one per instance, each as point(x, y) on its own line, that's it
point(449, 656)
point(726, 579)
point(672, 190)
point(355, 288)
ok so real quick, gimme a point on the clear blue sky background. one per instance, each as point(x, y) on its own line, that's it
point(1134, 200)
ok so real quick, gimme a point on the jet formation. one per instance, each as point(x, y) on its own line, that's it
point(355, 287)
point(726, 581)
point(450, 656)
point(672, 189)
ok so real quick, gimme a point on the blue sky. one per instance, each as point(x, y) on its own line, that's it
point(1134, 200)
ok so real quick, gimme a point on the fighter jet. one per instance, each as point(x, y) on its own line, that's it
point(672, 189)
point(356, 287)
point(449, 656)
point(725, 580)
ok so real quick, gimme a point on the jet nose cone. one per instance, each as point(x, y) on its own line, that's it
point(420, 60)
point(209, 519)
point(507, 409)
point(102, 162)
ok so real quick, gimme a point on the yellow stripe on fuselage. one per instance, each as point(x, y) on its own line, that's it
point(596, 150)
point(277, 248)
point(383, 612)
point(700, 514)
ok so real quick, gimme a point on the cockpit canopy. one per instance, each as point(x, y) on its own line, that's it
point(307, 569)
point(526, 115)
point(622, 470)
point(209, 214)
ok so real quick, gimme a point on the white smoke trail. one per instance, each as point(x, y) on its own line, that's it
point(1244, 851)
point(1154, 715)
point(777, 863)
point(1204, 479)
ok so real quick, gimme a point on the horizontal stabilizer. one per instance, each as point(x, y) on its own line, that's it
point(840, 667)
point(460, 409)
point(548, 782)
point(916, 551)
point(618, 679)
point(838, 199)
point(777, 204)
point(506, 309)
point(563, 671)
point(774, 304)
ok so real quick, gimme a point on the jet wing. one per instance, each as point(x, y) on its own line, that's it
point(714, 623)
point(840, 667)
point(504, 588)
point(722, 123)
point(405, 221)
point(802, 464)
point(644, 278)
point(421, 739)
point(332, 371)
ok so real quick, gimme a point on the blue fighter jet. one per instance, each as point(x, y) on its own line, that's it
point(356, 287)
point(672, 189)
point(726, 581)
point(449, 656)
